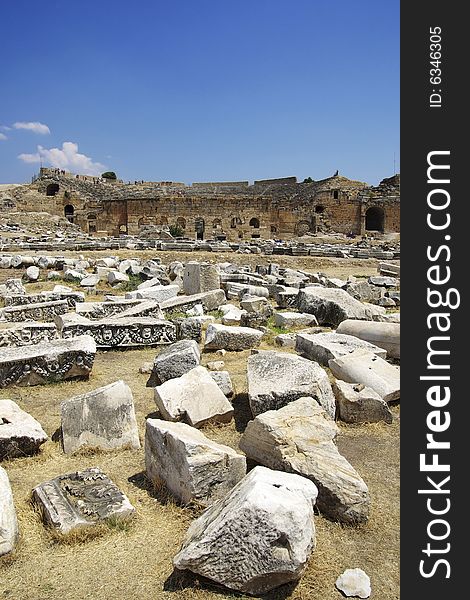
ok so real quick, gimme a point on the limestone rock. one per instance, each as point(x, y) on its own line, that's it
point(258, 537)
point(384, 335)
point(331, 305)
point(222, 379)
point(200, 277)
point(277, 378)
point(193, 467)
point(32, 273)
point(81, 499)
point(158, 293)
point(231, 338)
point(354, 582)
point(194, 398)
point(90, 281)
point(8, 522)
point(322, 347)
point(369, 369)
point(47, 362)
point(103, 418)
point(174, 361)
point(287, 320)
point(20, 433)
point(298, 438)
point(359, 404)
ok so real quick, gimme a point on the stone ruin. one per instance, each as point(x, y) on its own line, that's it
point(257, 531)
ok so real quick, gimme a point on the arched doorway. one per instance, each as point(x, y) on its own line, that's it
point(254, 222)
point(68, 212)
point(91, 223)
point(302, 228)
point(52, 189)
point(199, 227)
point(375, 219)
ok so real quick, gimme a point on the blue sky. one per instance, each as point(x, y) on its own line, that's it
point(200, 90)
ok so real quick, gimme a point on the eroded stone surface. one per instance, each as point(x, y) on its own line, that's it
point(103, 418)
point(47, 362)
point(174, 361)
point(28, 333)
point(193, 467)
point(359, 404)
point(231, 338)
point(299, 439)
point(20, 433)
point(8, 522)
point(258, 537)
point(384, 335)
point(194, 398)
point(354, 582)
point(40, 311)
point(81, 499)
point(322, 347)
point(277, 378)
point(331, 305)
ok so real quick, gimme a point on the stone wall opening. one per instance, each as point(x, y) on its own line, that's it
point(199, 227)
point(52, 189)
point(302, 228)
point(235, 222)
point(375, 219)
point(91, 223)
point(254, 222)
point(69, 212)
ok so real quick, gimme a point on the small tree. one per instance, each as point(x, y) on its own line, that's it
point(109, 175)
point(176, 231)
point(308, 180)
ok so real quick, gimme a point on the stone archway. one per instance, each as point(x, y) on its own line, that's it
point(52, 189)
point(254, 222)
point(375, 219)
point(69, 211)
point(199, 227)
point(302, 228)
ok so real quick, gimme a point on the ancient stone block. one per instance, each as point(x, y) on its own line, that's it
point(102, 310)
point(277, 378)
point(210, 300)
point(231, 338)
point(258, 537)
point(384, 335)
point(20, 434)
point(359, 404)
point(194, 398)
point(222, 379)
point(158, 293)
point(322, 347)
point(81, 499)
point(193, 467)
point(174, 361)
point(298, 438)
point(47, 362)
point(9, 532)
point(28, 333)
point(331, 306)
point(103, 418)
point(200, 277)
point(286, 320)
point(41, 311)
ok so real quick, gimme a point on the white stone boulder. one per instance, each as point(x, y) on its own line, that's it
point(299, 439)
point(322, 347)
point(194, 398)
point(277, 378)
point(354, 582)
point(200, 277)
point(231, 338)
point(103, 418)
point(222, 379)
point(20, 434)
point(115, 277)
point(258, 537)
point(32, 273)
point(159, 293)
point(9, 532)
point(384, 335)
point(192, 467)
point(369, 369)
point(332, 305)
point(359, 404)
point(287, 320)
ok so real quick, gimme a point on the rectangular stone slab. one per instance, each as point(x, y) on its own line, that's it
point(210, 300)
point(26, 334)
point(123, 333)
point(47, 362)
point(102, 310)
point(40, 311)
point(22, 299)
point(322, 347)
point(81, 499)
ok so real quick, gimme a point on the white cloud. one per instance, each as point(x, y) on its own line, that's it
point(33, 126)
point(67, 158)
point(3, 136)
point(5, 128)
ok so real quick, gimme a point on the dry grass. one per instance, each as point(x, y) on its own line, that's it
point(135, 561)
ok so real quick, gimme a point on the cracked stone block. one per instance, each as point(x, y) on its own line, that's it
point(20, 434)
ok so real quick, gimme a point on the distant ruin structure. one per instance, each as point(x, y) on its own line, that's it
point(232, 211)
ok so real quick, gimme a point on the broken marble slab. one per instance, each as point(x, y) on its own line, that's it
point(211, 300)
point(359, 404)
point(81, 499)
point(260, 536)
point(47, 362)
point(102, 310)
point(192, 467)
point(145, 308)
point(118, 332)
point(40, 311)
point(332, 305)
point(298, 438)
point(277, 378)
point(71, 297)
point(28, 333)
point(287, 320)
point(200, 277)
point(222, 379)
point(369, 369)
point(20, 434)
point(103, 418)
point(322, 347)
point(233, 338)
point(384, 335)
point(158, 293)
point(194, 398)
point(173, 361)
point(9, 532)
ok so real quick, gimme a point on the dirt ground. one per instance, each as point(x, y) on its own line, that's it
point(135, 561)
